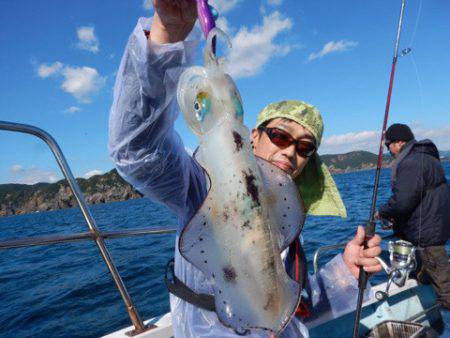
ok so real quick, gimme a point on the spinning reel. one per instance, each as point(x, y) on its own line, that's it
point(403, 260)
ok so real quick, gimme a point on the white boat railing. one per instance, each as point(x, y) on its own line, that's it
point(94, 232)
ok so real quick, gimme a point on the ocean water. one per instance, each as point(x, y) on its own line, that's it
point(66, 289)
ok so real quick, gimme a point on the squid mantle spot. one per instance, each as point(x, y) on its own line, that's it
point(252, 189)
point(246, 225)
point(237, 140)
point(229, 274)
point(225, 215)
point(270, 299)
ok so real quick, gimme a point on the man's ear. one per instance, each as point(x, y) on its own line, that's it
point(254, 137)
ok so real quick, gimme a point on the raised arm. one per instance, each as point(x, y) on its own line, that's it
point(147, 151)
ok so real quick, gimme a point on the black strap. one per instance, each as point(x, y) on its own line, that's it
point(181, 290)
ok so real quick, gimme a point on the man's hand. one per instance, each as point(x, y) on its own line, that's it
point(355, 256)
point(173, 20)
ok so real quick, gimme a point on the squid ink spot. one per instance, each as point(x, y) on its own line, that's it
point(206, 262)
point(280, 184)
point(229, 274)
point(284, 215)
point(225, 215)
point(282, 227)
point(237, 140)
point(200, 239)
point(224, 302)
point(270, 266)
point(252, 189)
point(246, 225)
point(270, 299)
point(220, 291)
point(204, 224)
point(213, 275)
point(288, 207)
point(202, 251)
point(285, 199)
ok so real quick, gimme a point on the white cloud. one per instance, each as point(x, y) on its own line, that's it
point(87, 39)
point(72, 110)
point(91, 173)
point(364, 140)
point(147, 4)
point(440, 136)
point(333, 47)
point(16, 168)
point(369, 140)
point(224, 6)
point(275, 2)
point(253, 48)
point(82, 82)
point(32, 175)
point(45, 71)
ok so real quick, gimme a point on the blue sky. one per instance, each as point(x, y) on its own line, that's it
point(59, 60)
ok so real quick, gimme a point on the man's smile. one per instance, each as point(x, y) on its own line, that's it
point(284, 165)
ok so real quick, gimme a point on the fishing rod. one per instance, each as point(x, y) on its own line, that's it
point(370, 224)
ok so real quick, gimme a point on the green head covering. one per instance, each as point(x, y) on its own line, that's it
point(316, 186)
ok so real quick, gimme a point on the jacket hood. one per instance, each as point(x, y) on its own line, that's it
point(427, 147)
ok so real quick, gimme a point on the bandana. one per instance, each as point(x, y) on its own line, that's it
point(315, 183)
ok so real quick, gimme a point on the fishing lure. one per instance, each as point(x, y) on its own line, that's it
point(252, 211)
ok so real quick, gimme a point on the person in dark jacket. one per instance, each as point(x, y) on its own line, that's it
point(420, 204)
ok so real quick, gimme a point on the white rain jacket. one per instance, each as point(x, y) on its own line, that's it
point(150, 155)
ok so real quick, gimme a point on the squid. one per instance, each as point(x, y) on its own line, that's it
point(252, 211)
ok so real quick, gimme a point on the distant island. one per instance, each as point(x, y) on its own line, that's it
point(353, 161)
point(17, 199)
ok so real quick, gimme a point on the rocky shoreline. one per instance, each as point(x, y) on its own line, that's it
point(18, 199)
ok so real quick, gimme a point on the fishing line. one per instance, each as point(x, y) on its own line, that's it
point(418, 17)
point(419, 83)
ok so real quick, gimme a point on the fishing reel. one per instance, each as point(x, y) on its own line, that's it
point(402, 256)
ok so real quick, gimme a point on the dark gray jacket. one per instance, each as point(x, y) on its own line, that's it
point(420, 201)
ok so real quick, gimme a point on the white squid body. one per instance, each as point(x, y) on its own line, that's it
point(251, 213)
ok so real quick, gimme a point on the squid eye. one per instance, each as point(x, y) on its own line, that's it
point(202, 105)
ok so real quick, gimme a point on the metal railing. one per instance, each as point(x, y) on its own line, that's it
point(93, 234)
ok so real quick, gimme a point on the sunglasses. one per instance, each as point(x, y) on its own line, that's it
point(283, 139)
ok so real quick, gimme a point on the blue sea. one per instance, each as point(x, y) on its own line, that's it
point(66, 289)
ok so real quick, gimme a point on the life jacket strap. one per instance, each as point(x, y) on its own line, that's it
point(181, 290)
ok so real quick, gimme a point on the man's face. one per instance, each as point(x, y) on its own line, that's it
point(395, 147)
point(286, 158)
